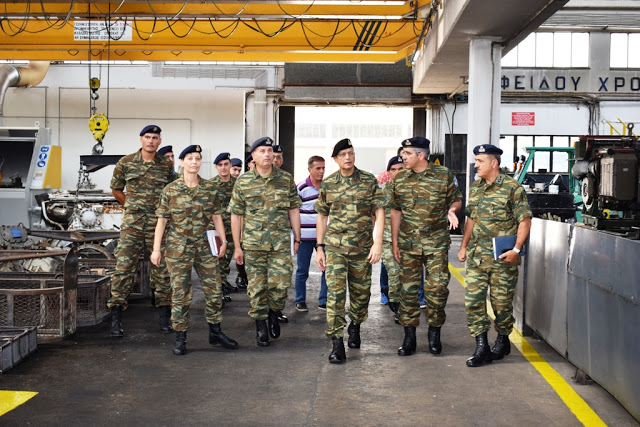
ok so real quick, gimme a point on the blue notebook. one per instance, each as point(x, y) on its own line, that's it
point(503, 244)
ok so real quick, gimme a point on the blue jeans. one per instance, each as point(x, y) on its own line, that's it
point(302, 273)
point(384, 285)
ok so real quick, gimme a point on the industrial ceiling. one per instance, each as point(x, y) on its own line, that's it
point(214, 30)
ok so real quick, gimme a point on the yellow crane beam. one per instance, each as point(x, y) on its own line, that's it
point(283, 31)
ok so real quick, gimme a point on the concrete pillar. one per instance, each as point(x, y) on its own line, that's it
point(286, 135)
point(484, 96)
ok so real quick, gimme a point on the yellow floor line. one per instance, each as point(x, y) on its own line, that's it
point(12, 399)
point(574, 402)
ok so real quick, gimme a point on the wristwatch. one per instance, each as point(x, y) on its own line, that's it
point(516, 250)
point(321, 245)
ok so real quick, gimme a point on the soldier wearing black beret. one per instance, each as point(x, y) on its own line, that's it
point(497, 206)
point(236, 167)
point(424, 202)
point(143, 174)
point(278, 159)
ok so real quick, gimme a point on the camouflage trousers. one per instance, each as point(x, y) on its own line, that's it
point(180, 260)
point(343, 271)
point(394, 272)
point(436, 287)
point(499, 279)
point(269, 277)
point(224, 262)
point(136, 235)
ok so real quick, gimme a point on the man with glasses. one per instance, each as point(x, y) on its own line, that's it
point(277, 156)
point(349, 201)
point(423, 197)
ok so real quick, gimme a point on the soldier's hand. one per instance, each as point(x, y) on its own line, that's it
point(396, 254)
point(223, 250)
point(462, 254)
point(375, 253)
point(155, 258)
point(238, 256)
point(453, 219)
point(510, 256)
point(320, 259)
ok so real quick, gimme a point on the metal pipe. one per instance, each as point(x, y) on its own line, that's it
point(10, 76)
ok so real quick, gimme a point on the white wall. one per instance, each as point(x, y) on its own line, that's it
point(190, 111)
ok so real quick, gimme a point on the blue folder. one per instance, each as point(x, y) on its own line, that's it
point(503, 244)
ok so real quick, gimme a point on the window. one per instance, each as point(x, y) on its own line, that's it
point(549, 50)
point(544, 162)
point(624, 50)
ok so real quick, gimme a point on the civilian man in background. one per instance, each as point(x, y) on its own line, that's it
point(497, 207)
point(144, 174)
point(308, 192)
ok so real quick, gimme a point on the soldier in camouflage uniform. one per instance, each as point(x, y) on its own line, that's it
point(264, 209)
point(236, 167)
point(189, 205)
point(224, 183)
point(423, 197)
point(144, 174)
point(497, 207)
point(167, 151)
point(393, 267)
point(348, 203)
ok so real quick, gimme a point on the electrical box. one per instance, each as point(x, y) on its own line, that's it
point(618, 175)
point(47, 173)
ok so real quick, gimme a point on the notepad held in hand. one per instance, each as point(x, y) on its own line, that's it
point(503, 244)
point(214, 242)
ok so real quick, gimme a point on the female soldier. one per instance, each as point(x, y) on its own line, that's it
point(189, 204)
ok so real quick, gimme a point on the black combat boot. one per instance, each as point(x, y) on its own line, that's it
point(435, 346)
point(216, 336)
point(337, 353)
point(501, 348)
point(409, 344)
point(274, 325)
point(354, 335)
point(262, 336)
point(165, 319)
point(482, 354)
point(116, 323)
point(395, 307)
point(241, 282)
point(281, 317)
point(181, 343)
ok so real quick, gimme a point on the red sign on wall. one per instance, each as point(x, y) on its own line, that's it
point(523, 119)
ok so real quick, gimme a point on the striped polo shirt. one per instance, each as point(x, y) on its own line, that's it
point(308, 216)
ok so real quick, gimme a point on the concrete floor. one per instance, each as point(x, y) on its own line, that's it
point(95, 380)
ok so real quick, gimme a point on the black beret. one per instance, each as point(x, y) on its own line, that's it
point(221, 157)
point(190, 149)
point(150, 129)
point(166, 149)
point(236, 162)
point(343, 144)
point(277, 149)
point(487, 149)
point(395, 160)
point(417, 142)
point(264, 141)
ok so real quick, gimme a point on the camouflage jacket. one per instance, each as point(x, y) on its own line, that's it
point(349, 202)
point(225, 189)
point(265, 203)
point(496, 210)
point(189, 211)
point(144, 181)
point(424, 199)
